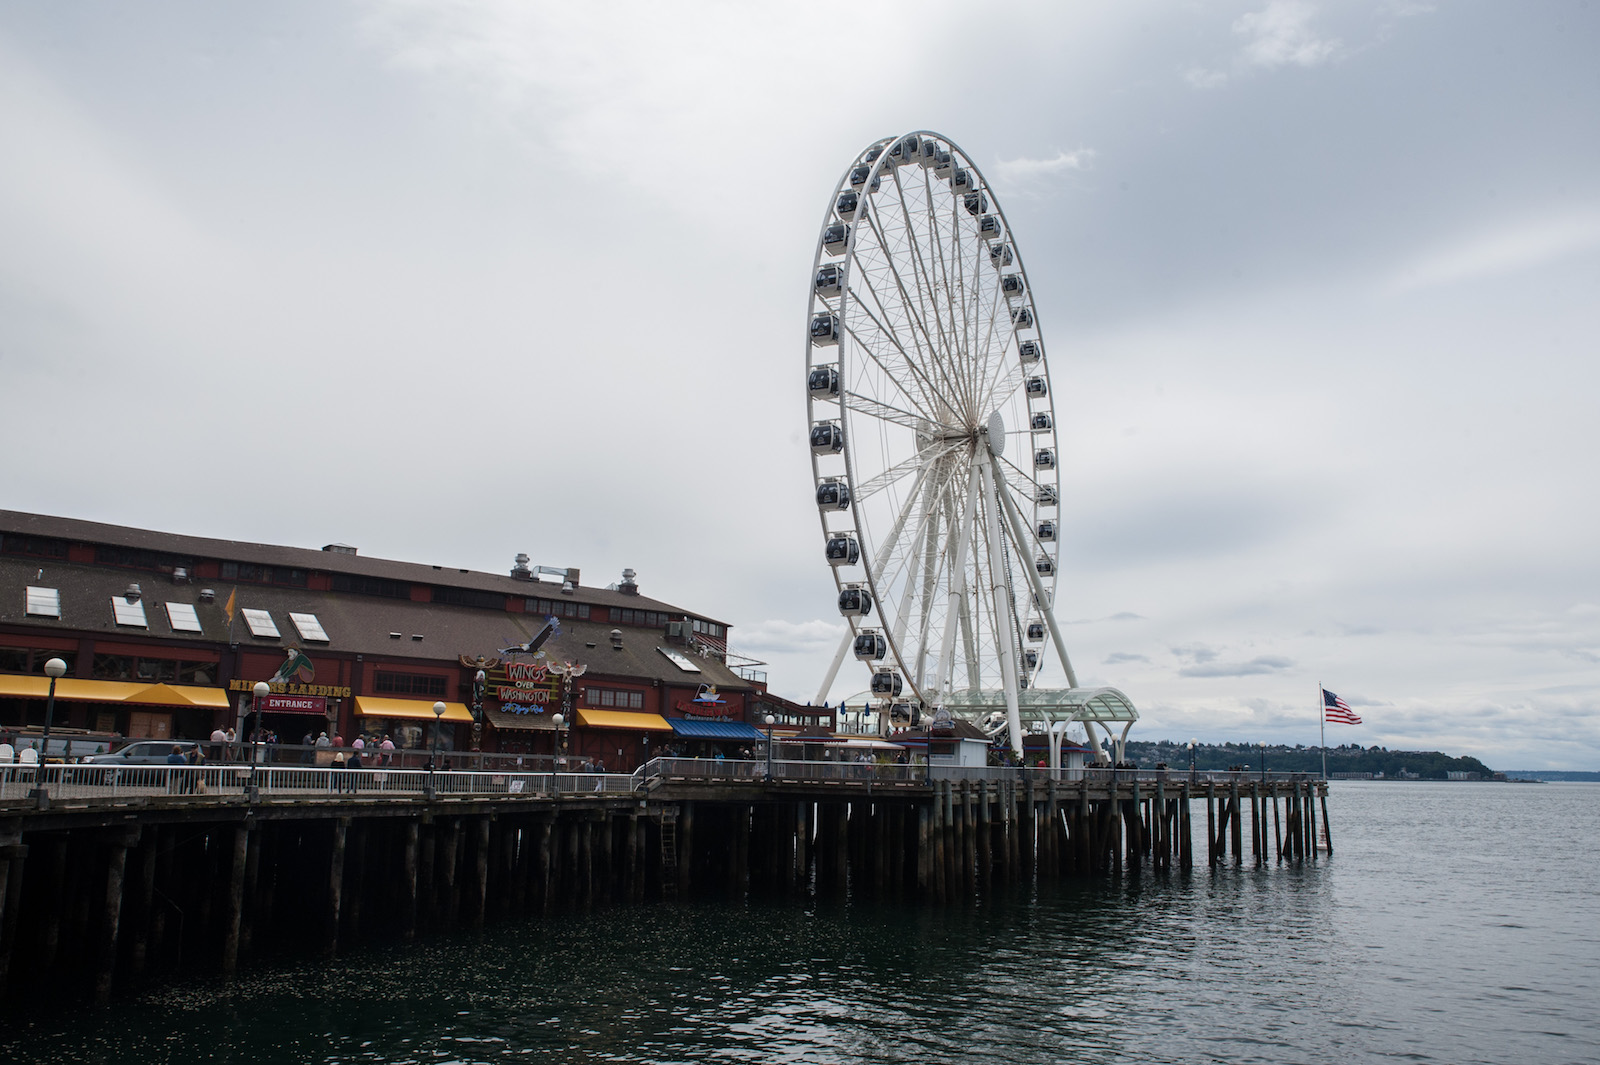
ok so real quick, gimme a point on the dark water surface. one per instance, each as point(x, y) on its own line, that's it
point(1457, 923)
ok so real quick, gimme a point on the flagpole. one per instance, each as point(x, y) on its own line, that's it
point(1322, 723)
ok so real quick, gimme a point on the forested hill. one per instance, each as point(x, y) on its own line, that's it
point(1429, 765)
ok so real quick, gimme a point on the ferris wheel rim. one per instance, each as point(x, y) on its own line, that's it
point(850, 416)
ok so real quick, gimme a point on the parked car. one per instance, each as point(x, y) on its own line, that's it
point(144, 752)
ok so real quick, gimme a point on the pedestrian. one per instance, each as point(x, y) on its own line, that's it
point(359, 744)
point(219, 740)
point(175, 777)
point(354, 763)
point(387, 747)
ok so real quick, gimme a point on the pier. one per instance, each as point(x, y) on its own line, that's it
point(114, 877)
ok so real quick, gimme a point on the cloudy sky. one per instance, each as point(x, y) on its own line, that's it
point(452, 280)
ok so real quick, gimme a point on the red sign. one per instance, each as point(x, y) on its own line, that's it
point(294, 704)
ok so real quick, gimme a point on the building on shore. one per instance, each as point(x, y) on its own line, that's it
point(165, 636)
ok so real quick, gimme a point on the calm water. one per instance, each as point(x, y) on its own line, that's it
point(1457, 923)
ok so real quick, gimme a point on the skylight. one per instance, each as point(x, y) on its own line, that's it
point(260, 622)
point(44, 602)
point(680, 661)
point(130, 614)
point(183, 618)
point(310, 628)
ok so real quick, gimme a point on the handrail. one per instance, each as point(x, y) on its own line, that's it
point(275, 780)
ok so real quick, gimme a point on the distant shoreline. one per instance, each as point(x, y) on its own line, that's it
point(1584, 777)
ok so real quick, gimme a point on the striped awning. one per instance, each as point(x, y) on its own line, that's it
point(715, 730)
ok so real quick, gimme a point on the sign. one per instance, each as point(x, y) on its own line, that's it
point(294, 704)
point(332, 691)
point(525, 687)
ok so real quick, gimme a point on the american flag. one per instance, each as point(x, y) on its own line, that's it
point(1337, 710)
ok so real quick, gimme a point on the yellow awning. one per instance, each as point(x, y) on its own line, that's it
point(623, 719)
point(180, 695)
point(415, 709)
point(113, 691)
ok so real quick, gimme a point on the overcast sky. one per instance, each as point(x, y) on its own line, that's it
point(453, 280)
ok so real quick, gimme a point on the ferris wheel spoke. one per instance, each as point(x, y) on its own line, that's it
point(894, 473)
point(873, 408)
point(931, 399)
point(929, 283)
point(914, 310)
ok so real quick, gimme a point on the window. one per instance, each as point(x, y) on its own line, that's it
point(261, 623)
point(183, 618)
point(557, 608)
point(408, 684)
point(468, 597)
point(345, 582)
point(651, 618)
point(153, 670)
point(622, 700)
point(254, 574)
point(129, 614)
point(137, 558)
point(710, 628)
point(310, 628)
point(25, 660)
point(36, 546)
point(44, 602)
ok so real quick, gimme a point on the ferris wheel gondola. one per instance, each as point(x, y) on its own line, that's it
point(933, 430)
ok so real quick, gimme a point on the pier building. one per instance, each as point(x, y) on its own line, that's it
point(165, 635)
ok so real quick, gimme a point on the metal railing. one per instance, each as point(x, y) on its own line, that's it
point(287, 780)
point(67, 782)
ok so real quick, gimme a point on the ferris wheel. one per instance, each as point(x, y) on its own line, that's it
point(933, 435)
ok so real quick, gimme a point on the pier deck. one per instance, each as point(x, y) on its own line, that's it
point(124, 873)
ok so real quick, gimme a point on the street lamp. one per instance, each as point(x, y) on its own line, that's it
point(559, 754)
point(433, 760)
point(770, 722)
point(1191, 760)
point(1263, 745)
point(55, 669)
point(258, 692)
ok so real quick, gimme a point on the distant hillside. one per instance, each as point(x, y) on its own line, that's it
point(1428, 765)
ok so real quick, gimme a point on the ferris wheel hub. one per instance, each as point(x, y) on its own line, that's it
point(997, 434)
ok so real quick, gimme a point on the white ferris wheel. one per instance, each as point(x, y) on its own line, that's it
point(933, 443)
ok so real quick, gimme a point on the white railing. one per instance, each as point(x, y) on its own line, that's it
point(232, 780)
point(66, 782)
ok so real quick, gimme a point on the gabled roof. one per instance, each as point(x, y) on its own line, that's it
point(199, 547)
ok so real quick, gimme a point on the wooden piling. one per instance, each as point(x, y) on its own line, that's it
point(230, 941)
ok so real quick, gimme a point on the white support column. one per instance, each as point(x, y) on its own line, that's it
point(958, 587)
point(1000, 594)
point(1046, 607)
point(833, 670)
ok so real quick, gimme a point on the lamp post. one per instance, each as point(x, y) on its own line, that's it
point(1191, 763)
point(770, 722)
point(55, 669)
point(558, 754)
point(259, 691)
point(433, 759)
point(1263, 746)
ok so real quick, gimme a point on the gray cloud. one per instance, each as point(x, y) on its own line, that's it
point(1256, 666)
point(1119, 657)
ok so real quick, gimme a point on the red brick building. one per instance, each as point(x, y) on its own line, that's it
point(165, 635)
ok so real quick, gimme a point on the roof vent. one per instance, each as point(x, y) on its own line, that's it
point(339, 549)
point(628, 586)
point(572, 576)
point(616, 639)
point(566, 588)
point(180, 575)
point(208, 595)
point(132, 594)
point(520, 570)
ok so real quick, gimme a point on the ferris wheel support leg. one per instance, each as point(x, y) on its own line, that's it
point(1001, 595)
point(833, 670)
point(1046, 607)
point(958, 590)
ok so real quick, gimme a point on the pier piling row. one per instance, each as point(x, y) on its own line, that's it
point(100, 896)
